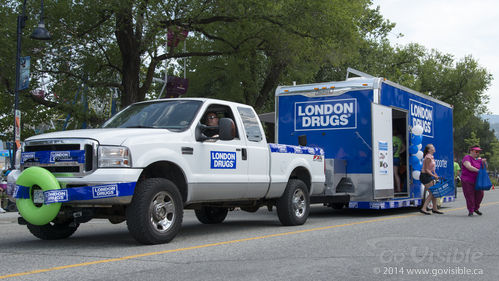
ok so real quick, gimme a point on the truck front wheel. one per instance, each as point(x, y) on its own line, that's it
point(53, 231)
point(294, 205)
point(156, 212)
point(211, 215)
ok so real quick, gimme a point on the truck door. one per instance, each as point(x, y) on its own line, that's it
point(382, 151)
point(219, 167)
point(256, 153)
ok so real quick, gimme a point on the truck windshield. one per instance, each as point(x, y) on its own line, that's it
point(174, 115)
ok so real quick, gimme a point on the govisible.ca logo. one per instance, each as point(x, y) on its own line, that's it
point(396, 250)
point(426, 254)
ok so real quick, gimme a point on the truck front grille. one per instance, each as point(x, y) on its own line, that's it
point(64, 168)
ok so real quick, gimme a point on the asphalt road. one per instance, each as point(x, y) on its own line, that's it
point(333, 245)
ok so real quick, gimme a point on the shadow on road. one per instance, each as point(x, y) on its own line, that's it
point(102, 235)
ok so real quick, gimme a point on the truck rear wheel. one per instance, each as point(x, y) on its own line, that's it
point(294, 205)
point(338, 206)
point(211, 215)
point(53, 231)
point(156, 212)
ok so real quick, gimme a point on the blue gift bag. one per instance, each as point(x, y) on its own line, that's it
point(442, 188)
point(482, 180)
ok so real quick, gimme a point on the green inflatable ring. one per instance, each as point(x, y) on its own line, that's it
point(46, 181)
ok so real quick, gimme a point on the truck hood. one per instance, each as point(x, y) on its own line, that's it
point(113, 136)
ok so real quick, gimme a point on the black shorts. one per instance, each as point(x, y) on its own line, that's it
point(425, 178)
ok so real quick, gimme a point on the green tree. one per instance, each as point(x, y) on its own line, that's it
point(473, 140)
point(237, 50)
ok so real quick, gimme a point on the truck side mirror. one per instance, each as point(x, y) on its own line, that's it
point(227, 129)
point(199, 133)
point(302, 140)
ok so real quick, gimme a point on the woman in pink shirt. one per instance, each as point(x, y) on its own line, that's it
point(471, 164)
point(428, 177)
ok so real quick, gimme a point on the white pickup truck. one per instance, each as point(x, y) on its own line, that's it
point(152, 160)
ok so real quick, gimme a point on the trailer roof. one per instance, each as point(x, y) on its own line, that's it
point(334, 88)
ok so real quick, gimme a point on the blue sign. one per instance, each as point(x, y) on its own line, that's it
point(284, 148)
point(223, 160)
point(24, 72)
point(104, 191)
point(56, 156)
point(78, 193)
point(326, 115)
point(383, 145)
point(55, 196)
point(421, 114)
point(50, 157)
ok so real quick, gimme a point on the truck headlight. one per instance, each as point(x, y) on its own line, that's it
point(114, 157)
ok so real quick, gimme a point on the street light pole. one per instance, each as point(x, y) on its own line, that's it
point(40, 33)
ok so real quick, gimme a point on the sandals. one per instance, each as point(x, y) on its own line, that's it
point(426, 213)
point(437, 212)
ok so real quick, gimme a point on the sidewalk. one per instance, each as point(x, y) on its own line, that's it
point(9, 217)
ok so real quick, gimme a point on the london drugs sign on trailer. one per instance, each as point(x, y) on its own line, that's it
point(421, 114)
point(326, 115)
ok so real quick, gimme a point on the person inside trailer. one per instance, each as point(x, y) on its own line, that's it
point(398, 149)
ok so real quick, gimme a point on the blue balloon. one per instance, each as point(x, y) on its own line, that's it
point(418, 166)
point(413, 149)
point(415, 140)
point(413, 160)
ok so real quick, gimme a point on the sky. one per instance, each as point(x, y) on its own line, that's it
point(455, 27)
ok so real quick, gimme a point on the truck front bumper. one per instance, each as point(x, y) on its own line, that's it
point(102, 187)
point(106, 176)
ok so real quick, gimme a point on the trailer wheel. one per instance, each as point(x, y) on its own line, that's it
point(211, 215)
point(294, 205)
point(156, 212)
point(53, 231)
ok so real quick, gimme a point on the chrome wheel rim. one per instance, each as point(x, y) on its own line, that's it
point(299, 203)
point(162, 210)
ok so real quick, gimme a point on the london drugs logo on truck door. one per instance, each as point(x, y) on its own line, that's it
point(222, 160)
point(421, 114)
point(326, 115)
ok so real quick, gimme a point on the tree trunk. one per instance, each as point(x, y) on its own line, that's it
point(270, 83)
point(129, 44)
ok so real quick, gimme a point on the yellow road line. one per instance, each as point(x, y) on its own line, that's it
point(219, 244)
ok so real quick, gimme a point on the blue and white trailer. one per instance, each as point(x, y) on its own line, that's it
point(353, 121)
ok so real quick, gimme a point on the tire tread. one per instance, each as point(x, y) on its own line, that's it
point(137, 212)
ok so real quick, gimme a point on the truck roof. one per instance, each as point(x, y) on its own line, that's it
point(203, 100)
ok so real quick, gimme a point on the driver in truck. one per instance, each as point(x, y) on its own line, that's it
point(211, 119)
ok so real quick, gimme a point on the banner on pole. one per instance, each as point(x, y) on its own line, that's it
point(24, 73)
point(18, 128)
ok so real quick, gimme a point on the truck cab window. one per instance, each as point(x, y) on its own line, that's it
point(175, 115)
point(212, 116)
point(251, 125)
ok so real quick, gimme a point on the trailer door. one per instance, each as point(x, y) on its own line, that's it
point(382, 151)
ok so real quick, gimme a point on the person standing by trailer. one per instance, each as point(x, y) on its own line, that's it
point(471, 165)
point(428, 177)
point(457, 171)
